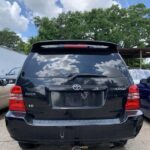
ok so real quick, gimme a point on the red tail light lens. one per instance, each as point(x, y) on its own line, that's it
point(16, 102)
point(133, 101)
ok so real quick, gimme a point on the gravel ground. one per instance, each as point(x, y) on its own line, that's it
point(141, 142)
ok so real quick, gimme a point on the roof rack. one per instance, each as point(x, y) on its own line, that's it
point(62, 43)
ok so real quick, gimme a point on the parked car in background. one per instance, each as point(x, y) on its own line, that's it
point(144, 88)
point(12, 75)
point(4, 93)
point(142, 78)
point(6, 83)
point(74, 92)
point(138, 74)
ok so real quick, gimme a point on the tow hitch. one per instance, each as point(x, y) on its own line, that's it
point(80, 148)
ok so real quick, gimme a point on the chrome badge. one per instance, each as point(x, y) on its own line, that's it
point(76, 87)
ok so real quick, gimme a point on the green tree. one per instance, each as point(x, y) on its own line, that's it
point(129, 27)
point(11, 40)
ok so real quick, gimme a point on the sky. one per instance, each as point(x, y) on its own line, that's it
point(17, 15)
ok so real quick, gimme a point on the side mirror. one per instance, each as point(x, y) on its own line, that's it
point(143, 81)
point(3, 82)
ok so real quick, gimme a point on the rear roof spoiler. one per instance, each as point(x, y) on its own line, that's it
point(60, 43)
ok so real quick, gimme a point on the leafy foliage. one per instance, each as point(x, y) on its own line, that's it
point(11, 40)
point(126, 26)
point(135, 63)
point(129, 27)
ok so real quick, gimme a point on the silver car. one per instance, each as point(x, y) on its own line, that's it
point(6, 83)
point(4, 95)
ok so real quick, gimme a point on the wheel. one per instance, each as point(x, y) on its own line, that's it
point(27, 145)
point(120, 143)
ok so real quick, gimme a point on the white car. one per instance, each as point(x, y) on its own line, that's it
point(6, 83)
point(4, 95)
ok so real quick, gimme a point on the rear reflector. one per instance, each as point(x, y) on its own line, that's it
point(15, 105)
point(16, 102)
point(133, 100)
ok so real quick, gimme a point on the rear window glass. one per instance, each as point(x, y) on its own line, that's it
point(62, 65)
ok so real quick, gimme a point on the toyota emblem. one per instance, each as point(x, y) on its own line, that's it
point(76, 87)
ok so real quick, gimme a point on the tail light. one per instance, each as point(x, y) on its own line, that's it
point(75, 46)
point(133, 100)
point(16, 102)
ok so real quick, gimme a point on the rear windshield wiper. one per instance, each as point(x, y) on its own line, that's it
point(73, 76)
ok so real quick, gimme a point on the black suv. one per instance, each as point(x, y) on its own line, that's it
point(74, 92)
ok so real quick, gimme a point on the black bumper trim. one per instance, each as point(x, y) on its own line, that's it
point(85, 131)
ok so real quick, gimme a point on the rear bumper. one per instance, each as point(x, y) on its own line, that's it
point(70, 131)
point(145, 107)
point(146, 112)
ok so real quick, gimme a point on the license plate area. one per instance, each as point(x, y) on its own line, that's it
point(77, 99)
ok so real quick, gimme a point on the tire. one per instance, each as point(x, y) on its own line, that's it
point(27, 145)
point(121, 143)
